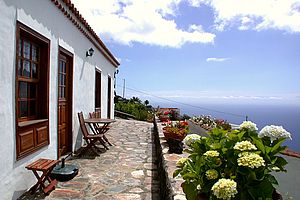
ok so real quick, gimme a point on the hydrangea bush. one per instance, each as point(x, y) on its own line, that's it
point(233, 164)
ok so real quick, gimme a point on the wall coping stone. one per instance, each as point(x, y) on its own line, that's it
point(170, 187)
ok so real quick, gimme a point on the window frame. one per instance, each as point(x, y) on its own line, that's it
point(32, 132)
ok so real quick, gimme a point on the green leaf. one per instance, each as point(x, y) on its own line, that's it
point(262, 190)
point(243, 170)
point(240, 135)
point(280, 162)
point(190, 190)
point(176, 172)
point(224, 150)
point(252, 176)
point(268, 149)
point(189, 175)
point(216, 146)
point(274, 160)
point(272, 179)
point(259, 144)
point(276, 146)
point(232, 137)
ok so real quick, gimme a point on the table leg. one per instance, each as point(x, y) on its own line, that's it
point(104, 128)
point(105, 138)
point(40, 182)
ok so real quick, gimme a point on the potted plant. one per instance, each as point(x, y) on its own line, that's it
point(204, 121)
point(233, 164)
point(164, 116)
point(174, 134)
point(221, 123)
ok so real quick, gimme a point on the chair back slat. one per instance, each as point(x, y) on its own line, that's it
point(82, 125)
point(95, 114)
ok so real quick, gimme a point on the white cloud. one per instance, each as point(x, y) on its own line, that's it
point(216, 59)
point(152, 21)
point(144, 21)
point(254, 14)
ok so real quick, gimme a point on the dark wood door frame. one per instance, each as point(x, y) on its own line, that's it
point(98, 91)
point(67, 57)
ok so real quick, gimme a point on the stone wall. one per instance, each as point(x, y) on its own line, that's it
point(170, 188)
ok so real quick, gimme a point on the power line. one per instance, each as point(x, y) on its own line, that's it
point(186, 104)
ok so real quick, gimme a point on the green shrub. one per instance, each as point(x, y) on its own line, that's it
point(135, 107)
point(233, 164)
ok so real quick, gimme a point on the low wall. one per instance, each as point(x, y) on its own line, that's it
point(170, 188)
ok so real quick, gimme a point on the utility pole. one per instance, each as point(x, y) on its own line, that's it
point(123, 87)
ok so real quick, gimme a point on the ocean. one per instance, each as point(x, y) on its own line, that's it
point(287, 116)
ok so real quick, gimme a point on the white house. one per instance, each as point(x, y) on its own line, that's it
point(47, 76)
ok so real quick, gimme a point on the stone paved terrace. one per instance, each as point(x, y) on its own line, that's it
point(127, 171)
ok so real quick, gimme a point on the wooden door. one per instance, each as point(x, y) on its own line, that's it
point(109, 98)
point(64, 104)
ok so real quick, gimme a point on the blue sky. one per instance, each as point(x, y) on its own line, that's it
point(201, 51)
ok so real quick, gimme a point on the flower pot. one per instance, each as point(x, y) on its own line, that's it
point(178, 136)
point(175, 146)
point(202, 196)
point(276, 195)
point(164, 118)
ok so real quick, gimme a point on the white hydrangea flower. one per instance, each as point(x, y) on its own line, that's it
point(274, 132)
point(252, 160)
point(248, 125)
point(191, 138)
point(225, 189)
point(211, 153)
point(244, 146)
point(211, 174)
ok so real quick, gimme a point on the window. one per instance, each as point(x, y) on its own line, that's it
point(98, 91)
point(28, 68)
point(62, 78)
point(32, 66)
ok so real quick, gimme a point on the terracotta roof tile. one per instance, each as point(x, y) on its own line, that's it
point(79, 17)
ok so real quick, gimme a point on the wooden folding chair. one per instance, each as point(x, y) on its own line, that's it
point(90, 139)
point(95, 114)
point(98, 128)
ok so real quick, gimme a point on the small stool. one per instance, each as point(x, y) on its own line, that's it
point(45, 166)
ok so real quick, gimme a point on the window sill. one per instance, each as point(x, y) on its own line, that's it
point(31, 122)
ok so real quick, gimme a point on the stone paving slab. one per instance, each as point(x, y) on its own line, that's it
point(126, 171)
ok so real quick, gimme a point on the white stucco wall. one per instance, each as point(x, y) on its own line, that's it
point(43, 17)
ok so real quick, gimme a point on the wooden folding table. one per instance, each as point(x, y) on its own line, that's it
point(94, 124)
point(45, 166)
